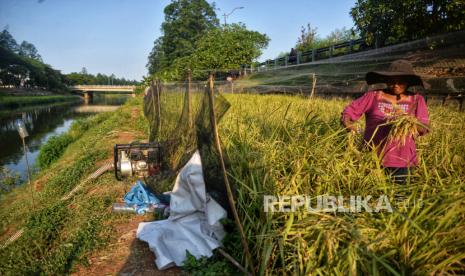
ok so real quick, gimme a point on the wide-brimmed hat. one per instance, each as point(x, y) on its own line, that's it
point(398, 68)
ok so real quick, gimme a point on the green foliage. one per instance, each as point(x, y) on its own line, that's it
point(53, 149)
point(21, 66)
point(50, 253)
point(84, 78)
point(19, 101)
point(228, 47)
point(58, 234)
point(309, 38)
point(56, 145)
point(7, 41)
point(403, 20)
point(27, 49)
point(185, 22)
point(204, 266)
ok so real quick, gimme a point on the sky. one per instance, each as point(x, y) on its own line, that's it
point(116, 36)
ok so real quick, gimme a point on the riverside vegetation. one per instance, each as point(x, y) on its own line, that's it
point(276, 145)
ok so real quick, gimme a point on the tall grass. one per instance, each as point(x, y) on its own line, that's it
point(293, 146)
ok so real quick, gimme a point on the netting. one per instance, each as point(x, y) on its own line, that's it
point(440, 61)
point(180, 118)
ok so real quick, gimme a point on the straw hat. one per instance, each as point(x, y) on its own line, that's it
point(398, 68)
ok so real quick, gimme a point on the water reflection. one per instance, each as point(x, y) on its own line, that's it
point(42, 122)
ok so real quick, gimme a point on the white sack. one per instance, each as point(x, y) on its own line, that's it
point(193, 224)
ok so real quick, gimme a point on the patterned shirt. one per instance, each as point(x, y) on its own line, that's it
point(377, 111)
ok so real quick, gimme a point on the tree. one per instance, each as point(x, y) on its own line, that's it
point(307, 39)
point(27, 49)
point(229, 47)
point(185, 22)
point(391, 21)
point(156, 57)
point(7, 41)
point(21, 66)
point(340, 35)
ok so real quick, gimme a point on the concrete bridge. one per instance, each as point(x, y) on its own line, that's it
point(88, 90)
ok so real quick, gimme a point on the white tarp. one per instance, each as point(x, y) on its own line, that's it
point(194, 221)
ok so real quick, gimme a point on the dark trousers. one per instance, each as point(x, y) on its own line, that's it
point(399, 175)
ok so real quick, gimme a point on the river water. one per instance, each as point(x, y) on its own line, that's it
point(43, 122)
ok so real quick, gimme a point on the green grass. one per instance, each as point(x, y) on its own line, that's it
point(58, 234)
point(20, 101)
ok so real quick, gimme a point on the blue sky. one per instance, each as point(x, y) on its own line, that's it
point(116, 36)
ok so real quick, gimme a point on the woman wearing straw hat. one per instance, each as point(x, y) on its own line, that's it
point(381, 106)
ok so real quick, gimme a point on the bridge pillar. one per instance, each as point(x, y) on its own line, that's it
point(88, 97)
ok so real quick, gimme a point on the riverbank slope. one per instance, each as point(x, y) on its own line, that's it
point(16, 98)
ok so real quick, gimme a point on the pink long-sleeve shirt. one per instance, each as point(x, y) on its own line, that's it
point(377, 111)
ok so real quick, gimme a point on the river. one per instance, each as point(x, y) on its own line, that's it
point(43, 122)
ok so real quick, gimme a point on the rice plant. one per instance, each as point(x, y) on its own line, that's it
point(281, 145)
point(404, 127)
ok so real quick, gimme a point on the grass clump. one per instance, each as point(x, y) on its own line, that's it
point(404, 127)
point(56, 145)
point(53, 149)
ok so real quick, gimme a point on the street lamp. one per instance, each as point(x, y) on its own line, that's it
point(226, 15)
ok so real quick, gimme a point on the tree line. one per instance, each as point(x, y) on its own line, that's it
point(84, 77)
point(192, 37)
point(386, 22)
point(21, 66)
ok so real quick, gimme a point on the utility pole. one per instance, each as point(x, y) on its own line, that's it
point(226, 15)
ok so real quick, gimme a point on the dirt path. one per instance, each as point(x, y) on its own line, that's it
point(125, 256)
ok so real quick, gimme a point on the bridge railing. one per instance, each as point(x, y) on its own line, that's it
point(102, 86)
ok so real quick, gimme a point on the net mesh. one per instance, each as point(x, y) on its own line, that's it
point(179, 116)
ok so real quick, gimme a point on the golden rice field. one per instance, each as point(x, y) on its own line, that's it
point(282, 145)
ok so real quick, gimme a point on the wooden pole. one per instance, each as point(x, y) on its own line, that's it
point(31, 189)
point(225, 176)
point(313, 85)
point(189, 98)
point(233, 261)
point(156, 89)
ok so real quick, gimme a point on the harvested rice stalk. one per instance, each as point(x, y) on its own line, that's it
point(404, 126)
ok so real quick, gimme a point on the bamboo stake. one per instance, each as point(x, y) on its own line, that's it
point(189, 98)
point(158, 92)
point(155, 114)
point(233, 261)
point(313, 85)
point(225, 176)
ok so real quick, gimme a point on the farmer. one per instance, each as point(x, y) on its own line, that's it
point(383, 105)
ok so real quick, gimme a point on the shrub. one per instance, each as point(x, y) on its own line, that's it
point(53, 149)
